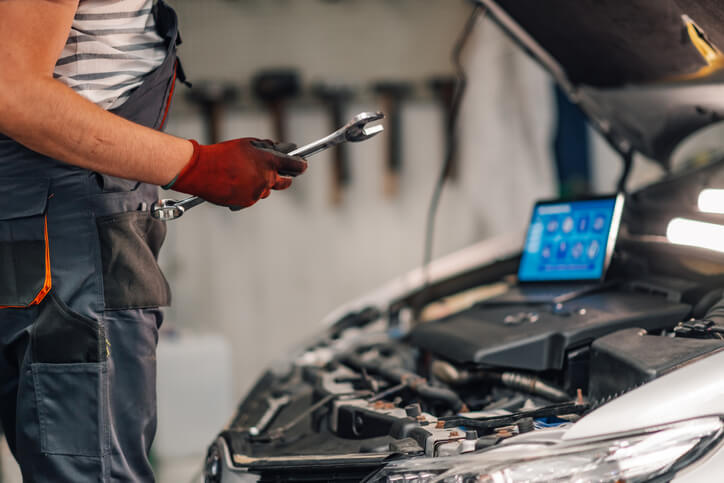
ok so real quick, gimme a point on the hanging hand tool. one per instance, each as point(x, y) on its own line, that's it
point(275, 88)
point(393, 93)
point(355, 131)
point(444, 90)
point(211, 98)
point(336, 98)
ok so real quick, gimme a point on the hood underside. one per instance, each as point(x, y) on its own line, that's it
point(648, 73)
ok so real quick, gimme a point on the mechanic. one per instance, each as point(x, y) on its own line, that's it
point(84, 89)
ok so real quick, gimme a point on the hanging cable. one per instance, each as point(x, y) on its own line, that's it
point(627, 165)
point(451, 128)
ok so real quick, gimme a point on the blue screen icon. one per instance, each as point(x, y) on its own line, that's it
point(567, 224)
point(562, 249)
point(599, 223)
point(552, 225)
point(593, 248)
point(582, 224)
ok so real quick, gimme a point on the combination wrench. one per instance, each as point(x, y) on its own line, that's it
point(354, 131)
point(274, 406)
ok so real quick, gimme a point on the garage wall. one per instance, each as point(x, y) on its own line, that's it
point(349, 41)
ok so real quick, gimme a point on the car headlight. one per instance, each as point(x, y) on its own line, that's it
point(629, 457)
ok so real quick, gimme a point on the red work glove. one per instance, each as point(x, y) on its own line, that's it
point(237, 173)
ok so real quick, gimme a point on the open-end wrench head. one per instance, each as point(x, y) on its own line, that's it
point(359, 130)
point(166, 209)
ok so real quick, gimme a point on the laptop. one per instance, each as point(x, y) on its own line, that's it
point(567, 250)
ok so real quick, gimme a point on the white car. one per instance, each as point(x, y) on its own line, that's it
point(453, 373)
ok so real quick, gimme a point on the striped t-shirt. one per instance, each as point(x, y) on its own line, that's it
point(112, 45)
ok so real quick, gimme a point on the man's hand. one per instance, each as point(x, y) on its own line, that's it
point(237, 173)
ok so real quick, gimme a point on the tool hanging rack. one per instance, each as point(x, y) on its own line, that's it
point(420, 91)
point(280, 91)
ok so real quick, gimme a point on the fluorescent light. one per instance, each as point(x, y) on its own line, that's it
point(696, 234)
point(711, 201)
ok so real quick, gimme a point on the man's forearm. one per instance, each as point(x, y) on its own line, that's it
point(50, 118)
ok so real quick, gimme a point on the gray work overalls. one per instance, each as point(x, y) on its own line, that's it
point(81, 289)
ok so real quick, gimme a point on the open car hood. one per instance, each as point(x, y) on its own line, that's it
point(647, 73)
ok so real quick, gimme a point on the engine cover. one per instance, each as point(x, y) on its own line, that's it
point(537, 337)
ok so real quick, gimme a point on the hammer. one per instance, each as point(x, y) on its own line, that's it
point(335, 98)
point(211, 98)
point(392, 94)
point(274, 88)
point(443, 88)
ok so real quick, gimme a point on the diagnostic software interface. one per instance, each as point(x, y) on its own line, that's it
point(568, 240)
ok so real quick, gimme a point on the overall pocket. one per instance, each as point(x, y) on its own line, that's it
point(130, 243)
point(69, 353)
point(25, 277)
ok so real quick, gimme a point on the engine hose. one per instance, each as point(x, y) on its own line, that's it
point(708, 305)
point(414, 382)
point(446, 396)
point(716, 312)
point(449, 374)
point(532, 385)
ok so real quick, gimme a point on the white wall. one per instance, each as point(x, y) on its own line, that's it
point(348, 40)
point(265, 276)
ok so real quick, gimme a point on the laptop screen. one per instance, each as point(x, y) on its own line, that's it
point(570, 241)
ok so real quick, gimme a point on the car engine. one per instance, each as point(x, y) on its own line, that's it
point(377, 388)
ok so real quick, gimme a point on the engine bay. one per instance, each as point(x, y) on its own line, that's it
point(385, 386)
